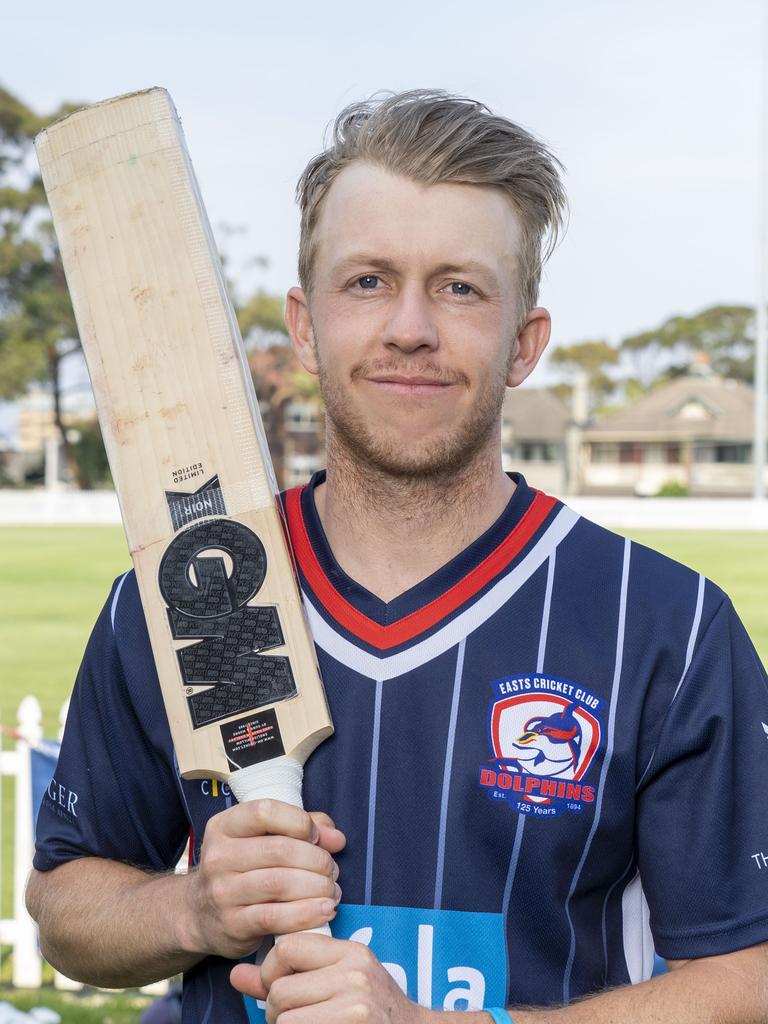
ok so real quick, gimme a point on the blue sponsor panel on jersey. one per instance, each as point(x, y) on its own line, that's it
point(445, 959)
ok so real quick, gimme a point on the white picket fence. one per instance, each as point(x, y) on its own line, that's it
point(20, 932)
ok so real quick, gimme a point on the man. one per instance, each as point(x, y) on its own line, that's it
point(545, 735)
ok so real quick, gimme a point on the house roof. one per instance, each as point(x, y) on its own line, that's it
point(694, 406)
point(534, 414)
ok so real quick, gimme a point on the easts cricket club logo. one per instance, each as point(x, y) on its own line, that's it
point(543, 734)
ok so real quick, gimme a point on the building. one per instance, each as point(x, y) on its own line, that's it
point(534, 425)
point(694, 432)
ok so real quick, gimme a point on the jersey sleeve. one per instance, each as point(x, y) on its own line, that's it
point(702, 818)
point(114, 792)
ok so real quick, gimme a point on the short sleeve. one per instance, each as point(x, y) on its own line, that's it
point(114, 792)
point(702, 813)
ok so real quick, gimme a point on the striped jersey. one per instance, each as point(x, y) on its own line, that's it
point(550, 759)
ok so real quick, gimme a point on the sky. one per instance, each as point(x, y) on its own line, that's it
point(653, 107)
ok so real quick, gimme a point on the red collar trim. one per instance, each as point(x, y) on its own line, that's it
point(410, 626)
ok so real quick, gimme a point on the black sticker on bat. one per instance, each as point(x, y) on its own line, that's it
point(252, 740)
point(205, 501)
point(207, 597)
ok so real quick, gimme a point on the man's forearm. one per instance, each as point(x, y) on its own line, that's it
point(730, 989)
point(108, 924)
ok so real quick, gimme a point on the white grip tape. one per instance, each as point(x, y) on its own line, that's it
point(278, 779)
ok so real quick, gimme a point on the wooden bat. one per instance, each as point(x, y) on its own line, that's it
point(186, 447)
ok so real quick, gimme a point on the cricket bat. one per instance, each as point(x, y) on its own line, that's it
point(186, 447)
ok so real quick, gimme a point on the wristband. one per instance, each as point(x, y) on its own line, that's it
point(498, 1015)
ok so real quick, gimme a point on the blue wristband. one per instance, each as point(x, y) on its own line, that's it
point(498, 1015)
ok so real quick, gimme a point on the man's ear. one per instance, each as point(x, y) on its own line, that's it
point(299, 324)
point(530, 343)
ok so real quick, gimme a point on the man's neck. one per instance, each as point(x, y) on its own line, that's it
point(389, 534)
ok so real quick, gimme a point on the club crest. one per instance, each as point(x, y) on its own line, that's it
point(543, 735)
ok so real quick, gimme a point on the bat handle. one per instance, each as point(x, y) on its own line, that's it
point(278, 779)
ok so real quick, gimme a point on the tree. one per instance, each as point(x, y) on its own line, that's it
point(262, 312)
point(592, 357)
point(724, 333)
point(91, 456)
point(37, 326)
point(279, 379)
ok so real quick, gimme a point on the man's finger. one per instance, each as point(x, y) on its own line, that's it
point(284, 918)
point(278, 885)
point(307, 988)
point(301, 952)
point(267, 817)
point(331, 838)
point(246, 978)
point(321, 818)
point(281, 852)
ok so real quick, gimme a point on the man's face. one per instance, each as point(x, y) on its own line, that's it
point(414, 311)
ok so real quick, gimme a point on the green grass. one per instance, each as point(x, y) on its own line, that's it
point(54, 581)
point(88, 1007)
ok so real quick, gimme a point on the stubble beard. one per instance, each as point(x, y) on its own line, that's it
point(354, 448)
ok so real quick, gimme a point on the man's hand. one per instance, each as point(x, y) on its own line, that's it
point(265, 868)
point(326, 981)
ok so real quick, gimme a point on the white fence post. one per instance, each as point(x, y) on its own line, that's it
point(62, 719)
point(27, 971)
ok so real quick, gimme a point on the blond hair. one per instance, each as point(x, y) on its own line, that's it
point(431, 136)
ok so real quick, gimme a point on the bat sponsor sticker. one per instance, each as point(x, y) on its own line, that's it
point(208, 575)
point(252, 740)
point(185, 507)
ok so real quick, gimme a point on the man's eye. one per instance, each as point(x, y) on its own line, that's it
point(368, 281)
point(459, 288)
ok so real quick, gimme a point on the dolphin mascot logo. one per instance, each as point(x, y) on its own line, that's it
point(549, 745)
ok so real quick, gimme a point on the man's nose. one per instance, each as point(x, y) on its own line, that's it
point(410, 325)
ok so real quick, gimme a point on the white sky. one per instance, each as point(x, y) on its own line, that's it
point(654, 108)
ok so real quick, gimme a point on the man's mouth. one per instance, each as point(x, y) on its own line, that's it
point(402, 384)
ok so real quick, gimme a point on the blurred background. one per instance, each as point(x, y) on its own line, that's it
point(643, 412)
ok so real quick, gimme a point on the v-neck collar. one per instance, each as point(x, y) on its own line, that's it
point(384, 624)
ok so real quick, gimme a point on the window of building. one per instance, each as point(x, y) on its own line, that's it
point(672, 454)
point(694, 409)
point(730, 452)
point(604, 451)
point(630, 452)
point(299, 468)
point(302, 416)
point(536, 451)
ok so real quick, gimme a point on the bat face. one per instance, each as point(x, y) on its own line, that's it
point(209, 577)
point(184, 437)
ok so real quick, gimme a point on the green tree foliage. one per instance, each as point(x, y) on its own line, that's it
point(725, 334)
point(262, 311)
point(90, 454)
point(37, 328)
point(593, 358)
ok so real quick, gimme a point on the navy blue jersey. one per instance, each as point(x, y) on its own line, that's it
point(550, 757)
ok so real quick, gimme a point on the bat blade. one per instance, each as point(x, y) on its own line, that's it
point(186, 446)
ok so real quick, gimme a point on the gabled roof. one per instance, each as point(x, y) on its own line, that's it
point(534, 414)
point(694, 406)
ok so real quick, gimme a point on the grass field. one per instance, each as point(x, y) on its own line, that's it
point(88, 1007)
point(54, 581)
